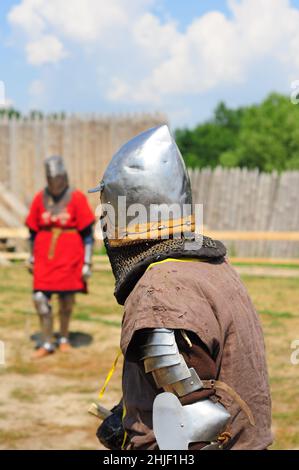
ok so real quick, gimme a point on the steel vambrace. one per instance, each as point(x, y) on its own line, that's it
point(176, 426)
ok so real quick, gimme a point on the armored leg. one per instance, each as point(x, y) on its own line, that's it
point(44, 310)
point(66, 303)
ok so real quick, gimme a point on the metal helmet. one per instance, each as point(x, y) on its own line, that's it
point(146, 173)
point(56, 175)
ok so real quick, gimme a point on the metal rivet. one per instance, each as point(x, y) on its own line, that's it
point(192, 383)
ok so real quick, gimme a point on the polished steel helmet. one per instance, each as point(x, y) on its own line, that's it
point(145, 190)
point(56, 175)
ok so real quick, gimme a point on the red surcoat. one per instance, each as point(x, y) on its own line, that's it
point(58, 246)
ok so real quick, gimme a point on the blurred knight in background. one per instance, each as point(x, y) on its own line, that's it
point(195, 374)
point(61, 239)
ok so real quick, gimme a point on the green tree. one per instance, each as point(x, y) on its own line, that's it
point(10, 113)
point(203, 146)
point(264, 136)
point(269, 137)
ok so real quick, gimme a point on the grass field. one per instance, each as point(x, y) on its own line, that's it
point(43, 405)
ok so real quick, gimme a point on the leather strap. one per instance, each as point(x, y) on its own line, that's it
point(154, 230)
point(217, 384)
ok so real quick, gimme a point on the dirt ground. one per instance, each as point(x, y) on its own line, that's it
point(43, 405)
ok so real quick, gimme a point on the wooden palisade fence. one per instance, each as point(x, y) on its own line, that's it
point(237, 200)
point(246, 200)
point(86, 143)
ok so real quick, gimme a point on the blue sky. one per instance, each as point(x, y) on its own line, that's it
point(178, 57)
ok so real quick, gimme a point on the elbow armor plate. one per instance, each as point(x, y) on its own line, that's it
point(176, 426)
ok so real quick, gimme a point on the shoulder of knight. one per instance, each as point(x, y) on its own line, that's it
point(77, 193)
point(178, 283)
point(78, 196)
point(38, 196)
point(159, 277)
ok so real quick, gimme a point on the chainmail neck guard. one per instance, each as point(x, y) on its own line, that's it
point(130, 262)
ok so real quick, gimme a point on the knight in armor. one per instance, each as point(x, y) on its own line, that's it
point(195, 374)
point(61, 238)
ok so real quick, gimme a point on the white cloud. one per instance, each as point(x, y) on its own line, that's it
point(216, 50)
point(46, 49)
point(26, 16)
point(79, 20)
point(155, 38)
point(145, 60)
point(84, 20)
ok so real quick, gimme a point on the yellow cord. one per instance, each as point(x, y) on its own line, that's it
point(109, 375)
point(168, 260)
point(125, 434)
point(102, 391)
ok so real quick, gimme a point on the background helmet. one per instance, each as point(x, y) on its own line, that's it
point(56, 175)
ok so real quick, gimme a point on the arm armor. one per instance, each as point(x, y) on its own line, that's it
point(30, 261)
point(176, 426)
point(88, 241)
point(87, 237)
point(88, 249)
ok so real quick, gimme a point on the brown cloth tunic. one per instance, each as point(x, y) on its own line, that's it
point(209, 301)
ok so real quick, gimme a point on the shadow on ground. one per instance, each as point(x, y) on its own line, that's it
point(77, 339)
